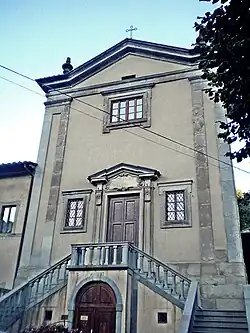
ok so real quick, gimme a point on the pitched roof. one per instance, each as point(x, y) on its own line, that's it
point(17, 169)
point(115, 53)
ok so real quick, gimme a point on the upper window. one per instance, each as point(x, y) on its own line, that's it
point(126, 110)
point(175, 206)
point(8, 214)
point(75, 213)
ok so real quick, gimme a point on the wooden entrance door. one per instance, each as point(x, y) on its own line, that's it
point(95, 309)
point(123, 220)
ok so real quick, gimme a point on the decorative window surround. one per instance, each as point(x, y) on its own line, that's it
point(110, 99)
point(10, 204)
point(122, 179)
point(71, 195)
point(165, 187)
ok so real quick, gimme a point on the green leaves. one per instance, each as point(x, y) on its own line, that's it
point(244, 209)
point(223, 43)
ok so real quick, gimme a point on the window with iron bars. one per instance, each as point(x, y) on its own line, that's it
point(175, 206)
point(75, 213)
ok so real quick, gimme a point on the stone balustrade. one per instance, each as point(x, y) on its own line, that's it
point(102, 255)
point(17, 301)
point(124, 255)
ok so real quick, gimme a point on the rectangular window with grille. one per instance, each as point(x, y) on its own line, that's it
point(175, 206)
point(126, 110)
point(75, 213)
point(8, 214)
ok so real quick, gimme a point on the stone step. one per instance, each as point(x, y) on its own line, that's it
point(227, 330)
point(221, 313)
point(224, 319)
point(219, 325)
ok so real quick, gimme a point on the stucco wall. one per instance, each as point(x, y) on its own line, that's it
point(78, 147)
point(86, 152)
point(12, 191)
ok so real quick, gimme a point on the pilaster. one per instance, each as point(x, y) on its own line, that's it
point(52, 207)
point(24, 270)
point(202, 173)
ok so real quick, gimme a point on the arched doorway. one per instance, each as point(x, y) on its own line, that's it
point(95, 309)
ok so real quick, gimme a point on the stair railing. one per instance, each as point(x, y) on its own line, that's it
point(3, 292)
point(192, 303)
point(163, 276)
point(29, 294)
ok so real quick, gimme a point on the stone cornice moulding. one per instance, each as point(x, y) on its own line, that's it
point(134, 83)
point(123, 170)
point(114, 54)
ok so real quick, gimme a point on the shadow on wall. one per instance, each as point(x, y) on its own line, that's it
point(246, 251)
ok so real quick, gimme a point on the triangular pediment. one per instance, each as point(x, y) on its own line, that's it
point(129, 171)
point(143, 49)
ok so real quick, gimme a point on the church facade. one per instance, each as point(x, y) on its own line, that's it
point(133, 201)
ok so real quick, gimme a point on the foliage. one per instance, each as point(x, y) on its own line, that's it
point(244, 209)
point(50, 329)
point(223, 43)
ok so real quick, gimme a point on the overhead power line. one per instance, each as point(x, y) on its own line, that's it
point(145, 129)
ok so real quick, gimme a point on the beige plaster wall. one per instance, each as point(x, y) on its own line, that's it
point(88, 150)
point(12, 191)
point(56, 303)
point(131, 65)
point(149, 304)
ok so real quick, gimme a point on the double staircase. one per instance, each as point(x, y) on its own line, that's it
point(159, 277)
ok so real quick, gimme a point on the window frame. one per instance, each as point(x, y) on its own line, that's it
point(7, 205)
point(71, 195)
point(127, 107)
point(109, 99)
point(163, 189)
point(175, 211)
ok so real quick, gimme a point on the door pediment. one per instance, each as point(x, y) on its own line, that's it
point(123, 176)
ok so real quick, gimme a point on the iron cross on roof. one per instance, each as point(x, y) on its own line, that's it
point(130, 30)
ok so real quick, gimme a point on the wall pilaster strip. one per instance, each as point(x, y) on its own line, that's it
point(230, 207)
point(55, 186)
point(202, 173)
point(36, 193)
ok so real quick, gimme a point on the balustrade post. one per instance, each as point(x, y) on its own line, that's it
point(102, 255)
point(125, 249)
point(99, 255)
point(114, 255)
point(44, 283)
point(58, 273)
point(91, 252)
point(83, 255)
point(51, 278)
point(149, 268)
point(37, 287)
point(174, 284)
point(165, 278)
point(106, 262)
point(141, 261)
point(182, 295)
point(157, 273)
point(75, 256)
point(65, 271)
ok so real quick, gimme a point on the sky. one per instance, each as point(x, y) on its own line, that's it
point(37, 36)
